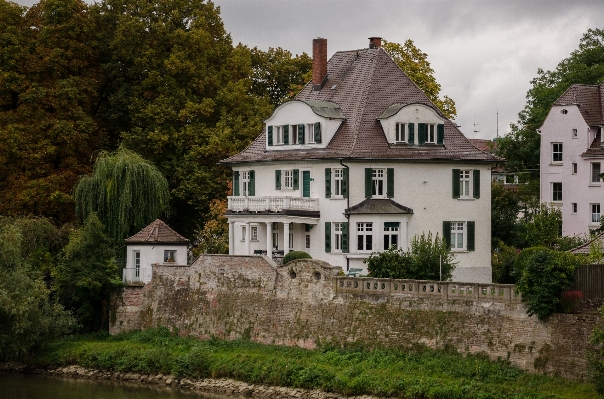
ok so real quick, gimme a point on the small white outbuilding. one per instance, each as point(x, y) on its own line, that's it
point(155, 244)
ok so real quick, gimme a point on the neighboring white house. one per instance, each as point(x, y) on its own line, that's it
point(360, 160)
point(155, 244)
point(572, 154)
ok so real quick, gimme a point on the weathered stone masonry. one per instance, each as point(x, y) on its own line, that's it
point(305, 303)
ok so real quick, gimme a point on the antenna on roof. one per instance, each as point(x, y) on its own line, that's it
point(475, 124)
point(497, 123)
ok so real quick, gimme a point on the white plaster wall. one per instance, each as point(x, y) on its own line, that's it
point(576, 188)
point(151, 254)
point(414, 113)
point(297, 112)
point(424, 187)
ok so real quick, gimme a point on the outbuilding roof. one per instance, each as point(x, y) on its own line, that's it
point(364, 84)
point(157, 233)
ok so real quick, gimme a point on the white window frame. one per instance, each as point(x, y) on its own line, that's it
point(307, 241)
point(401, 135)
point(378, 183)
point(136, 257)
point(293, 131)
point(431, 133)
point(595, 213)
point(337, 236)
point(555, 198)
point(557, 152)
point(595, 179)
point(275, 229)
point(391, 232)
point(365, 231)
point(245, 183)
point(288, 179)
point(574, 168)
point(574, 208)
point(243, 232)
point(310, 128)
point(465, 184)
point(458, 237)
point(169, 254)
point(278, 135)
point(253, 233)
point(338, 178)
point(291, 236)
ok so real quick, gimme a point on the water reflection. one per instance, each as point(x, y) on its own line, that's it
point(24, 386)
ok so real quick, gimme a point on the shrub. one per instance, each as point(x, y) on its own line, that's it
point(571, 301)
point(502, 263)
point(595, 358)
point(293, 255)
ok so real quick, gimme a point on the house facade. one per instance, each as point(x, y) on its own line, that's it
point(572, 158)
point(359, 161)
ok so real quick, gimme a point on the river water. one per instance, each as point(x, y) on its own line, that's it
point(27, 386)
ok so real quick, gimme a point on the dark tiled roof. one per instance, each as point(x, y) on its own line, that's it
point(589, 100)
point(585, 248)
point(325, 109)
point(595, 150)
point(157, 233)
point(484, 145)
point(378, 206)
point(364, 83)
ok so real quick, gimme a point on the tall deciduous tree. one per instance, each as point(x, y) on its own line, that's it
point(584, 65)
point(125, 191)
point(415, 64)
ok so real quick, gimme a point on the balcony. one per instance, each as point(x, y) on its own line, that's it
point(295, 206)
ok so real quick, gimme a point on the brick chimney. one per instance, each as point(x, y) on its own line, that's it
point(375, 42)
point(319, 63)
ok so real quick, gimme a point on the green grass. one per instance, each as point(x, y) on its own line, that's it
point(418, 372)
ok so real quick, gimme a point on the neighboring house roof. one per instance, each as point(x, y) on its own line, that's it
point(157, 233)
point(595, 150)
point(378, 206)
point(484, 145)
point(585, 248)
point(365, 84)
point(588, 98)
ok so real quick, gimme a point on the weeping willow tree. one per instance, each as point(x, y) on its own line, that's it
point(125, 191)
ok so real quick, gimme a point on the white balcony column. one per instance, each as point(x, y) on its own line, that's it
point(248, 235)
point(269, 239)
point(285, 237)
point(231, 238)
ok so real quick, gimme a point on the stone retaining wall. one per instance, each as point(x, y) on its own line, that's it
point(306, 304)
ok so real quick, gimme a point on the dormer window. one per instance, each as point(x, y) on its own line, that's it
point(401, 137)
point(430, 133)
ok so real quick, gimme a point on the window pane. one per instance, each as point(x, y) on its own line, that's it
point(360, 242)
point(368, 242)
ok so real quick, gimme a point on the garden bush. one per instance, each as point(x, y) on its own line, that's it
point(294, 255)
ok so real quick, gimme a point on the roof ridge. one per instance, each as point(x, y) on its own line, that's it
point(365, 94)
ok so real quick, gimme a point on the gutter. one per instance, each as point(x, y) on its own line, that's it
point(347, 216)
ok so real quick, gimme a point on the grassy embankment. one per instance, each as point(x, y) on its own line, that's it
point(415, 373)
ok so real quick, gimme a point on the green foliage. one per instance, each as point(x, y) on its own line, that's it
point(28, 316)
point(595, 357)
point(125, 191)
point(214, 237)
point(415, 64)
point(585, 66)
point(294, 255)
point(502, 263)
point(421, 262)
point(543, 275)
point(87, 275)
point(545, 227)
point(407, 372)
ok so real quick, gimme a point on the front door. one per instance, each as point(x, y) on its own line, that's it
point(306, 183)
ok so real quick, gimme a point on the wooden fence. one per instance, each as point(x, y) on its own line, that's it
point(590, 280)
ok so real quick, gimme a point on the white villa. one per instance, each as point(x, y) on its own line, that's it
point(572, 152)
point(361, 160)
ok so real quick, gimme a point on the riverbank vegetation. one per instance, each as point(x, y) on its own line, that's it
point(414, 372)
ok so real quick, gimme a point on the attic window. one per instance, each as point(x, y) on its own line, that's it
point(564, 111)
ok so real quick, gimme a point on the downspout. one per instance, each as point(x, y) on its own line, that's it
point(345, 215)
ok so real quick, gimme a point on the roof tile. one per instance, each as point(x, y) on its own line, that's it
point(157, 233)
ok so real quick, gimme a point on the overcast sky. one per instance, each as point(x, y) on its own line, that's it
point(484, 53)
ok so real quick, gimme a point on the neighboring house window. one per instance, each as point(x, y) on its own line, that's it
point(564, 112)
point(254, 233)
point(364, 236)
point(557, 192)
point(288, 179)
point(460, 236)
point(169, 256)
point(291, 236)
point(310, 128)
point(338, 175)
point(377, 176)
point(275, 236)
point(595, 213)
point(574, 168)
point(400, 133)
point(137, 263)
point(430, 133)
point(391, 235)
point(307, 241)
point(574, 207)
point(465, 183)
point(337, 236)
point(245, 183)
point(243, 232)
point(457, 235)
point(595, 172)
point(575, 133)
point(557, 152)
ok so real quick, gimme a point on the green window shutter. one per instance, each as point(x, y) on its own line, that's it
point(411, 133)
point(270, 135)
point(301, 133)
point(285, 134)
point(318, 132)
point(471, 235)
point(447, 233)
point(306, 183)
point(327, 182)
point(345, 237)
point(368, 182)
point(328, 237)
point(252, 185)
point(296, 179)
point(345, 182)
point(236, 184)
point(456, 185)
point(421, 133)
point(277, 180)
point(390, 182)
point(440, 133)
point(476, 185)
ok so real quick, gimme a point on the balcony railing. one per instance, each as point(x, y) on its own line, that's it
point(272, 204)
point(132, 275)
